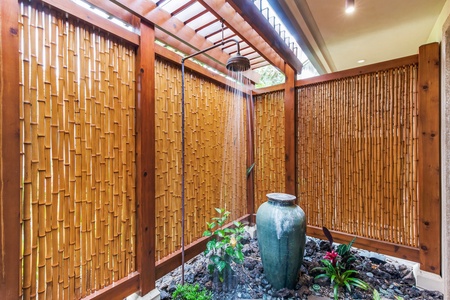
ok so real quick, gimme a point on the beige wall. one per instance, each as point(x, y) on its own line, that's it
point(445, 144)
point(436, 32)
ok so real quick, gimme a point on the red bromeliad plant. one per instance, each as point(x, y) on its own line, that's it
point(332, 257)
point(337, 266)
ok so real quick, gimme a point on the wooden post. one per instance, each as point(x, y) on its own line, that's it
point(429, 162)
point(9, 151)
point(290, 135)
point(146, 159)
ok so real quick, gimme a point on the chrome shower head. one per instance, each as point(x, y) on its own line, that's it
point(238, 63)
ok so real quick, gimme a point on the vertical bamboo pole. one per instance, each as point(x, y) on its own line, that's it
point(429, 168)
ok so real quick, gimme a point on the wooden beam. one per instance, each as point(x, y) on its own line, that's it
point(145, 70)
point(251, 14)
point(175, 33)
point(269, 89)
point(176, 59)
point(118, 290)
point(68, 6)
point(404, 252)
point(429, 159)
point(222, 10)
point(113, 10)
point(10, 229)
point(408, 60)
point(290, 130)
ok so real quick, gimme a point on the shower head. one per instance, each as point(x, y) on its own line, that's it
point(238, 63)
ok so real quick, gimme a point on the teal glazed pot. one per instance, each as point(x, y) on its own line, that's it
point(281, 231)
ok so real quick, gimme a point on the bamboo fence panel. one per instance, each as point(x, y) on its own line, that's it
point(270, 171)
point(208, 181)
point(77, 132)
point(357, 154)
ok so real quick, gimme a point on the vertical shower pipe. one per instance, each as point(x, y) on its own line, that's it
point(183, 144)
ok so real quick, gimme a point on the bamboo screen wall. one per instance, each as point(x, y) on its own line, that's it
point(357, 154)
point(77, 114)
point(209, 111)
point(270, 169)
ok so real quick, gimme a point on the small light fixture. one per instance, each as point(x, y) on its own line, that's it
point(361, 61)
point(349, 6)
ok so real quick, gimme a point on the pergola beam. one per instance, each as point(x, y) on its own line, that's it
point(176, 34)
point(261, 25)
point(223, 10)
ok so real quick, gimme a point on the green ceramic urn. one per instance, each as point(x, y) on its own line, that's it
point(281, 231)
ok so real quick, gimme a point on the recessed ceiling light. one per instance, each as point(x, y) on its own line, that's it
point(361, 61)
point(349, 6)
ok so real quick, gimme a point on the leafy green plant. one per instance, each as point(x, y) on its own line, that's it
point(343, 250)
point(376, 295)
point(225, 246)
point(337, 266)
point(191, 292)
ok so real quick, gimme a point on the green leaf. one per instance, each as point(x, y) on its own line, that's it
point(210, 245)
point(237, 224)
point(336, 292)
point(219, 210)
point(321, 276)
point(211, 225)
point(220, 233)
point(249, 169)
point(207, 233)
point(239, 255)
point(221, 265)
point(376, 295)
point(211, 268)
point(215, 259)
point(348, 286)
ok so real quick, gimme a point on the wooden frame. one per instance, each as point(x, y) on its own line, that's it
point(290, 127)
point(429, 159)
point(146, 159)
point(10, 227)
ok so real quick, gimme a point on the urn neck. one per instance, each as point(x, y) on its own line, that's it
point(281, 199)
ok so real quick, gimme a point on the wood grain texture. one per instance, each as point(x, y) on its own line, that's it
point(290, 130)
point(90, 17)
point(429, 159)
point(404, 252)
point(10, 226)
point(146, 159)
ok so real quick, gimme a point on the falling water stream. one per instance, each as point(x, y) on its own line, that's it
point(233, 188)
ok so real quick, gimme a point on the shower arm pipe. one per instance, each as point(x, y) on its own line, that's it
point(213, 47)
point(183, 144)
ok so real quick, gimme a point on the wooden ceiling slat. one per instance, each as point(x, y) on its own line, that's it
point(172, 31)
point(222, 10)
point(196, 17)
point(225, 38)
point(213, 33)
point(260, 25)
point(206, 25)
point(183, 7)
